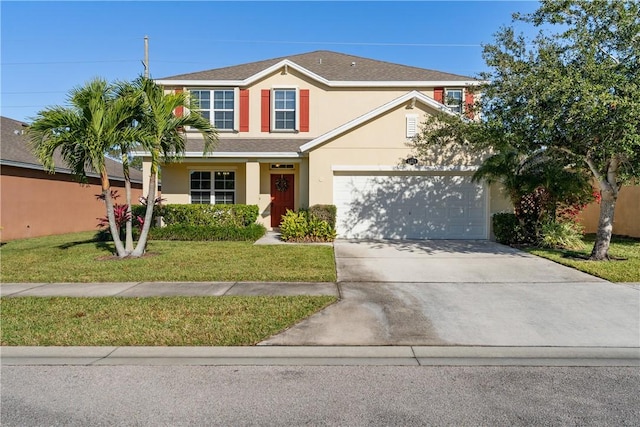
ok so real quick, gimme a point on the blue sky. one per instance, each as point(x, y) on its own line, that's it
point(50, 47)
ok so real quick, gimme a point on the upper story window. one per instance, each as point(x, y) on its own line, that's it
point(222, 192)
point(453, 99)
point(218, 106)
point(284, 109)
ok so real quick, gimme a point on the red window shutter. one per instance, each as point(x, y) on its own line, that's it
point(265, 110)
point(468, 102)
point(438, 94)
point(180, 110)
point(304, 110)
point(244, 110)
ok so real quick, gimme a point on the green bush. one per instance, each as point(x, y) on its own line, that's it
point(251, 232)
point(209, 215)
point(507, 228)
point(325, 212)
point(304, 226)
point(562, 235)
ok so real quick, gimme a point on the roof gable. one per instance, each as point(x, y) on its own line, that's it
point(410, 96)
point(330, 68)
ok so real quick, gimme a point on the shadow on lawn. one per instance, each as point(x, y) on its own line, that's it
point(100, 244)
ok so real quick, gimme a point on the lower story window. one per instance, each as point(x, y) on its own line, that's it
point(213, 187)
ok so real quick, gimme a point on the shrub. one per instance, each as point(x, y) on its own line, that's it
point(304, 226)
point(121, 217)
point(207, 233)
point(507, 228)
point(325, 212)
point(209, 215)
point(562, 235)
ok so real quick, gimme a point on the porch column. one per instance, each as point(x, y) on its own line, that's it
point(252, 183)
point(303, 191)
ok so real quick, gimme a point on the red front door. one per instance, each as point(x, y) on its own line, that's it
point(281, 197)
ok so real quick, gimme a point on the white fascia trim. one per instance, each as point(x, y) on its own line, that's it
point(229, 154)
point(409, 169)
point(318, 78)
point(412, 83)
point(254, 154)
point(374, 113)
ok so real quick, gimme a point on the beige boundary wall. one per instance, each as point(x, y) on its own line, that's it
point(626, 221)
point(34, 203)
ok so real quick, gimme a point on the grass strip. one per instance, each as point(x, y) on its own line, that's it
point(624, 265)
point(158, 321)
point(78, 258)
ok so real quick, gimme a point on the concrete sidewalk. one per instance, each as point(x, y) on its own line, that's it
point(164, 289)
point(322, 356)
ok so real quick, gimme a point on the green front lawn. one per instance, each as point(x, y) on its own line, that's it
point(77, 258)
point(161, 321)
point(624, 266)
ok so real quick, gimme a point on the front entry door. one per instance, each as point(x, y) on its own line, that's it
point(281, 197)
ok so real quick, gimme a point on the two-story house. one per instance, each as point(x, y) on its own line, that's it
point(329, 128)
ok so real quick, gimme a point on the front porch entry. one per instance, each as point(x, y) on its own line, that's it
point(282, 196)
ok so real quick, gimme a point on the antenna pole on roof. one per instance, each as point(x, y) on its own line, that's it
point(146, 57)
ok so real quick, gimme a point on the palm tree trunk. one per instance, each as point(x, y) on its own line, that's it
point(128, 246)
point(106, 191)
point(151, 197)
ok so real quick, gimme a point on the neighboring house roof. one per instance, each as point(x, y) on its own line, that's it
point(330, 68)
point(15, 151)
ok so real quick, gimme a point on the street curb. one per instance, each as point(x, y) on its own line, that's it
point(323, 356)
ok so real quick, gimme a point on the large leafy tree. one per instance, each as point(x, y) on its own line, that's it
point(161, 129)
point(95, 120)
point(573, 89)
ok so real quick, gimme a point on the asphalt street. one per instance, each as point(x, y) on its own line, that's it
point(327, 396)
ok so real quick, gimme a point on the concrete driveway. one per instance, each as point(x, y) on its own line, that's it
point(466, 293)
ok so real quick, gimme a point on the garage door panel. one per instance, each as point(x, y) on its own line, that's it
point(410, 207)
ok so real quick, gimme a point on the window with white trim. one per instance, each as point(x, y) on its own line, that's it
point(218, 106)
point(200, 187)
point(284, 109)
point(453, 99)
point(207, 187)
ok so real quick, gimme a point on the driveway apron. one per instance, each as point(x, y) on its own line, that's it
point(452, 292)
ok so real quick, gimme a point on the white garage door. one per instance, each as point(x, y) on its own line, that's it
point(410, 207)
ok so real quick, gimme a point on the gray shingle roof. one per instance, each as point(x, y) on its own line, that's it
point(15, 151)
point(249, 145)
point(332, 66)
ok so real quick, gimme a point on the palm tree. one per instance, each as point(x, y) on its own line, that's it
point(83, 132)
point(162, 134)
point(129, 94)
point(536, 183)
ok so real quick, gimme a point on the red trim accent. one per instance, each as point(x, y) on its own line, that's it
point(438, 94)
point(468, 102)
point(304, 110)
point(180, 110)
point(265, 100)
point(244, 110)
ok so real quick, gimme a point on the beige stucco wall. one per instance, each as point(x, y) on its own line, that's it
point(329, 107)
point(626, 221)
point(176, 179)
point(253, 182)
